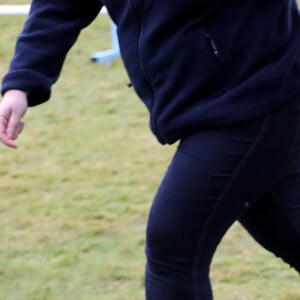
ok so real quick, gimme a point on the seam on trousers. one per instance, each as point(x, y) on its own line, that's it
point(219, 202)
point(294, 142)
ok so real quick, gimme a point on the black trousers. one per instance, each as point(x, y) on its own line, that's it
point(248, 172)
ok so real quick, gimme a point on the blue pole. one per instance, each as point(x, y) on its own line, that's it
point(110, 54)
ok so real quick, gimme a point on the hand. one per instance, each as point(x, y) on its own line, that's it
point(12, 108)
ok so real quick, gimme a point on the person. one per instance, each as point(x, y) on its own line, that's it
point(222, 78)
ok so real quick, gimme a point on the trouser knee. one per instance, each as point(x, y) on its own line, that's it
point(168, 246)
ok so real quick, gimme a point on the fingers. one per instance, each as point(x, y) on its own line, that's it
point(9, 135)
point(3, 123)
point(10, 130)
point(8, 142)
point(5, 139)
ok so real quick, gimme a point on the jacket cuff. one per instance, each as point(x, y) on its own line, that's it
point(35, 84)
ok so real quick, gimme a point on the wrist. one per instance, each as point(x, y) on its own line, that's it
point(16, 93)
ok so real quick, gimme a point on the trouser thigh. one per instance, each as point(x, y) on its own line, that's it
point(215, 177)
point(274, 220)
point(274, 229)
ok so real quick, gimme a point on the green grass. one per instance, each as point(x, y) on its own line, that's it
point(75, 195)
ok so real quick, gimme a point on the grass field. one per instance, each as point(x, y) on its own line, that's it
point(74, 197)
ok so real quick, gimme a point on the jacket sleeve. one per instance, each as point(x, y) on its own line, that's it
point(51, 29)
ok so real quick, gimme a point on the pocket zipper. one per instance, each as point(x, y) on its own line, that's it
point(212, 44)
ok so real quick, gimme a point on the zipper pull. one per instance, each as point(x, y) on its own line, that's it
point(212, 44)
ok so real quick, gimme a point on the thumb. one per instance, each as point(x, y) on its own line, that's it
point(14, 126)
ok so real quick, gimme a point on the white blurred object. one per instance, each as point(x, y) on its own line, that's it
point(23, 9)
point(9, 10)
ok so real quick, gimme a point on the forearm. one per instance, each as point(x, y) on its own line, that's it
point(50, 31)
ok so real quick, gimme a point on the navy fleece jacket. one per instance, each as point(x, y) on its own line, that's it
point(194, 63)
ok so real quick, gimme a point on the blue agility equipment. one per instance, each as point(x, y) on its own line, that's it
point(100, 57)
point(110, 54)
